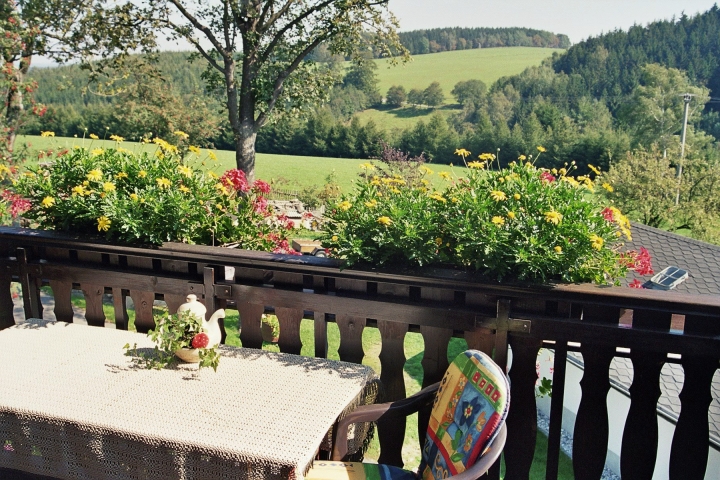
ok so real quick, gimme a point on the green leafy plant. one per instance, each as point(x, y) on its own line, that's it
point(149, 199)
point(519, 222)
point(172, 333)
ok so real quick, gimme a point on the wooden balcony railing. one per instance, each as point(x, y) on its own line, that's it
point(439, 304)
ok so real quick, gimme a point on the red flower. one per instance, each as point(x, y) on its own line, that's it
point(607, 214)
point(18, 205)
point(547, 177)
point(643, 262)
point(284, 247)
point(201, 340)
point(261, 187)
point(236, 179)
point(636, 284)
point(260, 205)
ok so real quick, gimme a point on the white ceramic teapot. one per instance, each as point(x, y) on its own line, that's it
point(212, 327)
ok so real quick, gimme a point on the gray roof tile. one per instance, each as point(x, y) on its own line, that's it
point(700, 259)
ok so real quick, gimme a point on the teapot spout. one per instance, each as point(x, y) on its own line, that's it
point(213, 327)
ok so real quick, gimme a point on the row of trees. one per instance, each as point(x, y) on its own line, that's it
point(436, 40)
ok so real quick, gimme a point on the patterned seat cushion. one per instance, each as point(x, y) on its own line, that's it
point(329, 470)
point(469, 407)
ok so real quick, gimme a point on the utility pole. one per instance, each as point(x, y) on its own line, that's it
point(687, 97)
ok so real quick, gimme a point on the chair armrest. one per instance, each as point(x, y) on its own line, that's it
point(373, 413)
point(487, 460)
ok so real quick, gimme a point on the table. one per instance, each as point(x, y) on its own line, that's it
point(73, 405)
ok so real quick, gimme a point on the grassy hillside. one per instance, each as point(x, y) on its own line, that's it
point(449, 68)
point(287, 171)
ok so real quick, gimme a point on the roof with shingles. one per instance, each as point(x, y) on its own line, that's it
point(700, 259)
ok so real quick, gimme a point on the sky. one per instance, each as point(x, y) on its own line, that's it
point(578, 19)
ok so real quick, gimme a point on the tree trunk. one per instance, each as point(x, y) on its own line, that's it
point(245, 150)
point(14, 108)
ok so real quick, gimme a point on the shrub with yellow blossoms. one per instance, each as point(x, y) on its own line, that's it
point(149, 199)
point(520, 222)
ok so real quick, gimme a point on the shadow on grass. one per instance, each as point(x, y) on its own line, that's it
point(415, 112)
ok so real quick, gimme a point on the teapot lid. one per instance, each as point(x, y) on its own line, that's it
point(192, 304)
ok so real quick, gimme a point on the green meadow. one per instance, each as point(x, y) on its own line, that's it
point(286, 172)
point(449, 68)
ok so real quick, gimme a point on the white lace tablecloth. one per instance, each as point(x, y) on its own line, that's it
point(73, 405)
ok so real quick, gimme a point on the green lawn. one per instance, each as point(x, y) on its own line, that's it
point(293, 172)
point(448, 68)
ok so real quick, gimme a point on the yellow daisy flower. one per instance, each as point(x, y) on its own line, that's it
point(185, 170)
point(498, 195)
point(104, 224)
point(553, 217)
point(48, 202)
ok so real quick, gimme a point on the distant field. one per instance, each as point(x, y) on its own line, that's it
point(405, 117)
point(292, 172)
point(448, 68)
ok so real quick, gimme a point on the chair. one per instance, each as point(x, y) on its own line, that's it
point(465, 435)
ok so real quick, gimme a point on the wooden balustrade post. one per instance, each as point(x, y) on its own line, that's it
point(691, 441)
point(120, 308)
point(7, 317)
point(522, 417)
point(640, 437)
point(30, 290)
point(590, 437)
point(289, 319)
point(94, 314)
point(143, 303)
point(351, 328)
point(62, 295)
point(320, 334)
point(392, 359)
point(556, 411)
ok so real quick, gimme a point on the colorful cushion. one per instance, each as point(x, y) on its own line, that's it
point(329, 470)
point(469, 407)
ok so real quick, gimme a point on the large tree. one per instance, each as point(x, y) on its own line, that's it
point(61, 30)
point(256, 50)
point(654, 112)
